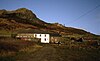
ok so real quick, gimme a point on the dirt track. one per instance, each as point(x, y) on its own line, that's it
point(47, 53)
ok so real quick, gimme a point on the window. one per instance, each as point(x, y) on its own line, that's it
point(40, 35)
point(45, 39)
point(35, 35)
point(45, 35)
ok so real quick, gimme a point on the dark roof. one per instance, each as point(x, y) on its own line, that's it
point(55, 34)
point(39, 32)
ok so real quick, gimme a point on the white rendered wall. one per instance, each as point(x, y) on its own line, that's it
point(44, 37)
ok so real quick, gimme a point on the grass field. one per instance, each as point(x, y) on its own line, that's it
point(11, 48)
point(19, 50)
point(77, 54)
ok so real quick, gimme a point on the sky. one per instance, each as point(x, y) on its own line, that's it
point(82, 14)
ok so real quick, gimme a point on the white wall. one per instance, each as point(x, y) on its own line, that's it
point(45, 38)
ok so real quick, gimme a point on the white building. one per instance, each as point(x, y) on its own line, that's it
point(45, 38)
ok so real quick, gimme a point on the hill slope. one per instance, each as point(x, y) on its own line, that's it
point(23, 18)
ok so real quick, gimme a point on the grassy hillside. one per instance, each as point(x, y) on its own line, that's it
point(23, 18)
